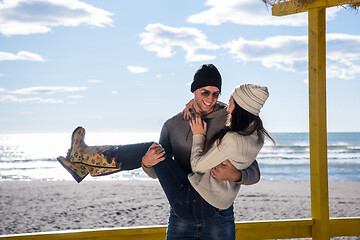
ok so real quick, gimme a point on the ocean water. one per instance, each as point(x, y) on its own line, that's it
point(33, 156)
point(291, 159)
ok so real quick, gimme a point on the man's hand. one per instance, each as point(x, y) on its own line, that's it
point(226, 171)
point(153, 156)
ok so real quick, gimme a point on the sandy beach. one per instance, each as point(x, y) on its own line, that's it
point(38, 206)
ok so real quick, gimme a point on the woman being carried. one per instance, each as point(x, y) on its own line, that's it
point(237, 143)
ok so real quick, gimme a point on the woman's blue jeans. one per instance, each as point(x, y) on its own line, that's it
point(129, 155)
point(184, 200)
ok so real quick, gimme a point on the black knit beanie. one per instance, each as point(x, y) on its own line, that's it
point(206, 75)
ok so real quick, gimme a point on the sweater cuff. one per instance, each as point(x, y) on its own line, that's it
point(149, 171)
point(250, 175)
point(244, 177)
point(198, 139)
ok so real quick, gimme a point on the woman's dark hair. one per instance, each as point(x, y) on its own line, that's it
point(243, 123)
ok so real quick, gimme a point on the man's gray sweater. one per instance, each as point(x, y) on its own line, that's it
point(176, 138)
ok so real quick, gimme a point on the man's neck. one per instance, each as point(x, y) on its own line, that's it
point(202, 113)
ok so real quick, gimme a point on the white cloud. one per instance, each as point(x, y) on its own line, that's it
point(10, 98)
point(75, 96)
point(94, 81)
point(281, 52)
point(114, 92)
point(72, 103)
point(158, 75)
point(26, 113)
point(163, 39)
point(290, 53)
point(39, 16)
point(20, 56)
point(249, 12)
point(38, 90)
point(343, 55)
point(137, 69)
point(47, 90)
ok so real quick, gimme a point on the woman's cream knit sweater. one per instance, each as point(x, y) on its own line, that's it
point(240, 150)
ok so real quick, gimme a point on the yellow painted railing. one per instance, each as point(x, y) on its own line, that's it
point(280, 229)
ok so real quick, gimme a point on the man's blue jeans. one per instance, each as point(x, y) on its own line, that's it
point(220, 226)
point(191, 216)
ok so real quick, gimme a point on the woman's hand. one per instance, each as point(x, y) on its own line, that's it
point(153, 156)
point(198, 126)
point(187, 110)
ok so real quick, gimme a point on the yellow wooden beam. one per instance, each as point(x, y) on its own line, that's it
point(344, 227)
point(317, 124)
point(135, 233)
point(298, 228)
point(278, 229)
point(290, 7)
point(281, 229)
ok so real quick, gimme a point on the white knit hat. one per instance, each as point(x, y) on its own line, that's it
point(250, 97)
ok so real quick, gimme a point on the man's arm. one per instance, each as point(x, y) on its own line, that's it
point(164, 142)
point(228, 172)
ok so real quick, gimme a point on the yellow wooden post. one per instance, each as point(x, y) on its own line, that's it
point(317, 124)
point(317, 106)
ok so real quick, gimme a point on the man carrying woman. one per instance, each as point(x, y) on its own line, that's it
point(201, 191)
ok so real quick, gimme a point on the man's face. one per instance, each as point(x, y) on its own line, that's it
point(205, 99)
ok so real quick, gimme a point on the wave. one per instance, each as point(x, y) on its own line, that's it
point(33, 156)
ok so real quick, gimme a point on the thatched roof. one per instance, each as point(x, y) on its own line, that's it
point(299, 3)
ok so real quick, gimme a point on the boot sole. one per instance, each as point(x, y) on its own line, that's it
point(73, 174)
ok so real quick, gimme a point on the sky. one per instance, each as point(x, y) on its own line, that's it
point(127, 66)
